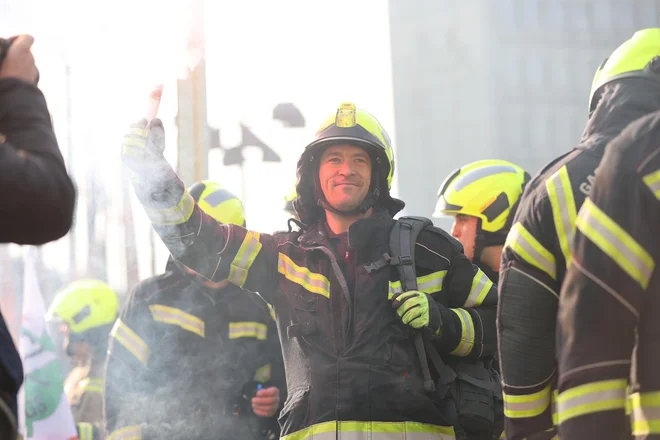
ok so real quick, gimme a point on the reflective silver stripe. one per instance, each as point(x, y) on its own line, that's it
point(247, 330)
point(244, 258)
point(480, 173)
point(175, 215)
point(171, 315)
point(373, 431)
point(526, 405)
point(564, 211)
point(130, 341)
point(431, 283)
point(481, 285)
point(645, 410)
point(652, 180)
point(466, 344)
point(133, 432)
point(591, 398)
point(615, 242)
point(314, 282)
point(523, 243)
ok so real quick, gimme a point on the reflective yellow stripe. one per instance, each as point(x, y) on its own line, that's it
point(373, 431)
point(247, 329)
point(431, 283)
point(175, 215)
point(616, 243)
point(564, 212)
point(133, 432)
point(174, 316)
point(645, 413)
point(652, 180)
point(130, 340)
point(527, 405)
point(85, 431)
point(314, 282)
point(271, 309)
point(244, 258)
point(521, 241)
point(466, 344)
point(606, 395)
point(93, 385)
point(262, 374)
point(481, 285)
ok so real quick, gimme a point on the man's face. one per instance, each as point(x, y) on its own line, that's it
point(465, 231)
point(345, 176)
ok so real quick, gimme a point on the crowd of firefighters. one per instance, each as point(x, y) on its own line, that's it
point(544, 288)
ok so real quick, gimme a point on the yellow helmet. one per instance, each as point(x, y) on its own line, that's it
point(487, 189)
point(218, 202)
point(289, 198)
point(84, 305)
point(637, 57)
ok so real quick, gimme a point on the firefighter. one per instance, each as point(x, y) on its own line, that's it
point(538, 248)
point(346, 330)
point(86, 310)
point(192, 358)
point(482, 197)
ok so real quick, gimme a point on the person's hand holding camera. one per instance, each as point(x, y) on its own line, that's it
point(18, 61)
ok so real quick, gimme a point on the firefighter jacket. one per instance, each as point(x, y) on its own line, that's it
point(535, 257)
point(181, 357)
point(34, 178)
point(610, 301)
point(350, 362)
point(84, 391)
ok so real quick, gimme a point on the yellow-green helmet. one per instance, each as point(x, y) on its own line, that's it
point(218, 202)
point(487, 189)
point(84, 305)
point(289, 198)
point(637, 57)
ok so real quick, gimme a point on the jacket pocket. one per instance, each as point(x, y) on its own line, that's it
point(294, 414)
point(303, 318)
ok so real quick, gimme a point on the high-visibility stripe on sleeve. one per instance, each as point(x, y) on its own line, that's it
point(313, 282)
point(174, 316)
point(247, 253)
point(262, 374)
point(93, 385)
point(590, 398)
point(133, 432)
point(466, 344)
point(85, 431)
point(645, 408)
point(527, 405)
point(523, 243)
point(652, 180)
point(247, 329)
point(564, 212)
point(431, 283)
point(130, 341)
point(175, 215)
point(481, 285)
point(616, 243)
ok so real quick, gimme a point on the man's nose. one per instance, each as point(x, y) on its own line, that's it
point(346, 169)
point(455, 230)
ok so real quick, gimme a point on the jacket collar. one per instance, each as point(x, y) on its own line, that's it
point(359, 234)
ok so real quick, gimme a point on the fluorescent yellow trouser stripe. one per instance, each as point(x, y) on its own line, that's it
point(606, 395)
point(526, 405)
point(247, 330)
point(431, 283)
point(616, 243)
point(130, 340)
point(564, 212)
point(481, 285)
point(314, 282)
point(652, 180)
point(133, 432)
point(174, 316)
point(373, 431)
point(85, 431)
point(262, 374)
point(645, 413)
point(466, 344)
point(244, 258)
point(175, 215)
point(521, 241)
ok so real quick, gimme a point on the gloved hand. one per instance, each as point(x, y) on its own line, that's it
point(142, 148)
point(418, 310)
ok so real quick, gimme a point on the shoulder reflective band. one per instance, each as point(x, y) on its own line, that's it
point(523, 243)
point(466, 343)
point(430, 284)
point(247, 329)
point(590, 398)
point(174, 316)
point(314, 282)
point(481, 285)
point(373, 431)
point(133, 432)
point(130, 341)
point(561, 197)
point(527, 405)
point(85, 431)
point(175, 215)
point(93, 385)
point(645, 413)
point(652, 180)
point(262, 374)
point(616, 243)
point(247, 253)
